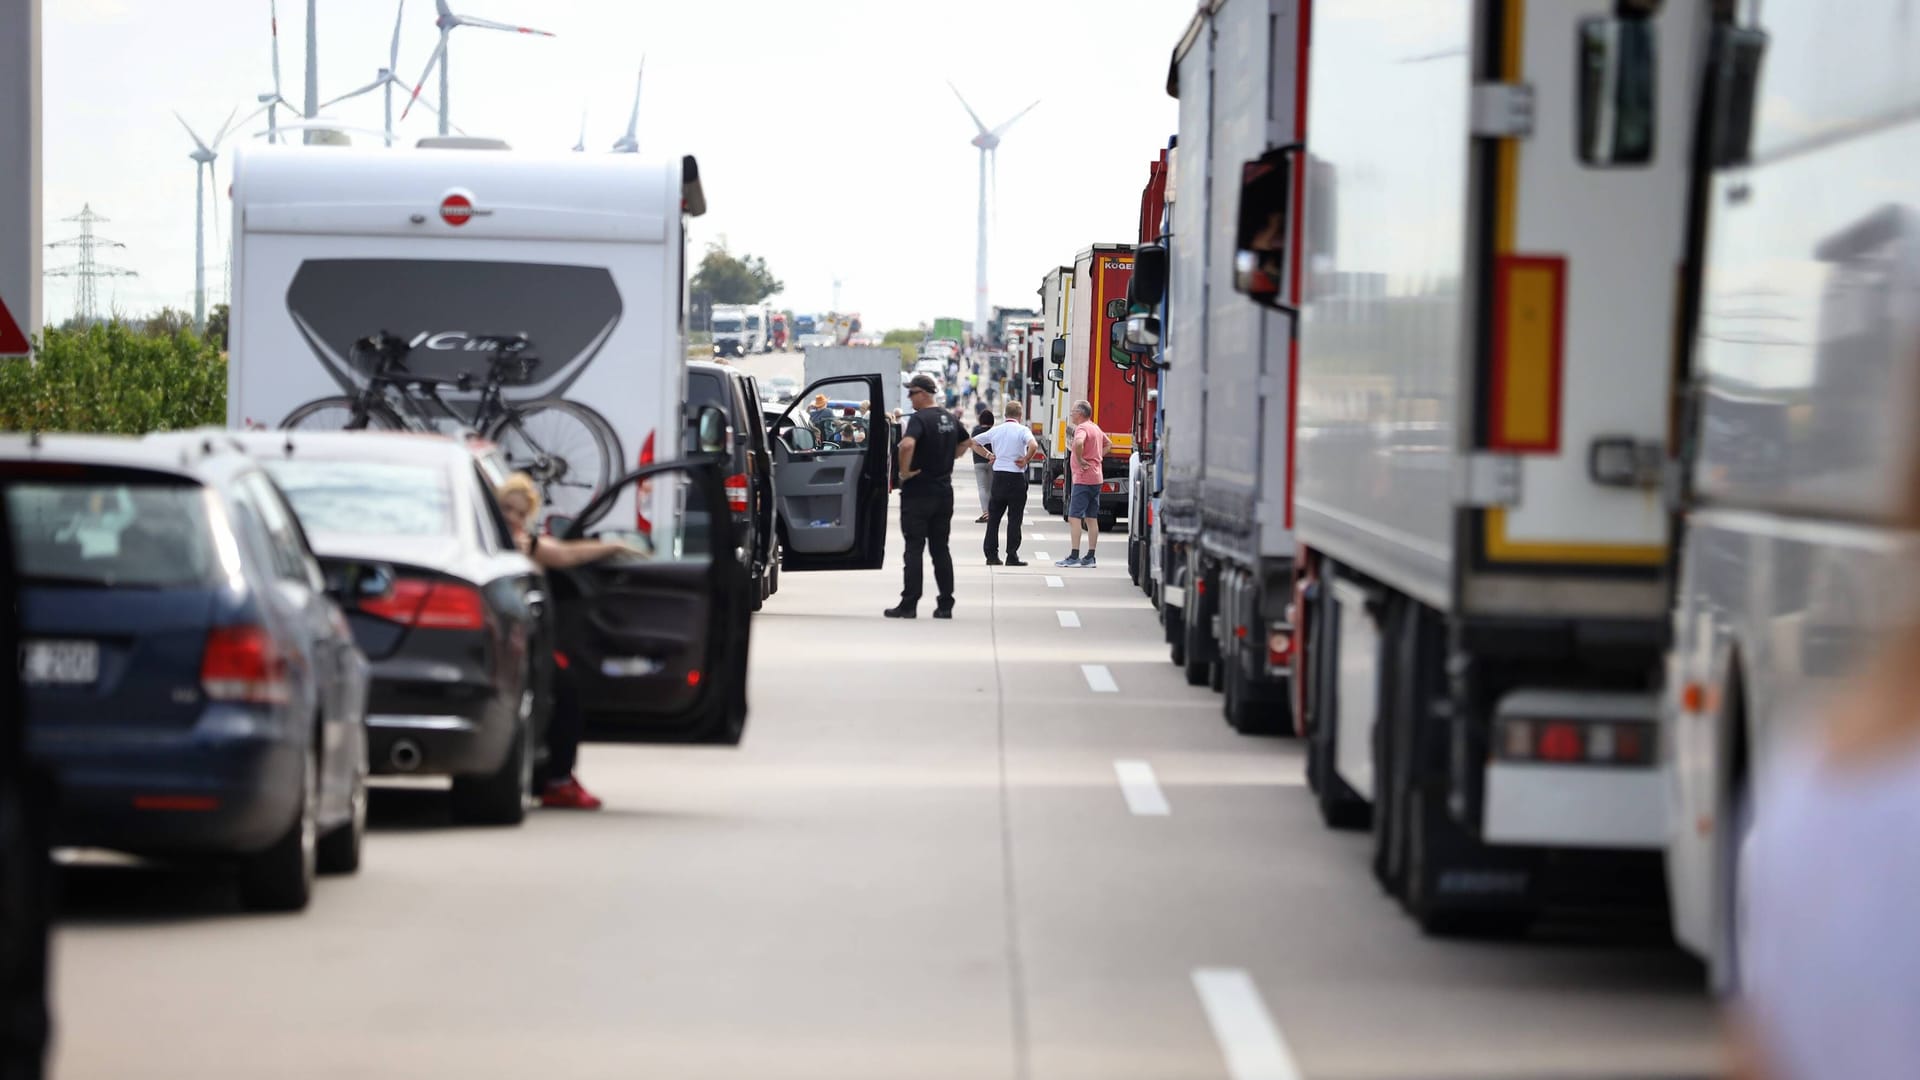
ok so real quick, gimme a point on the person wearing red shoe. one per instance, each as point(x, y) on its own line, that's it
point(519, 501)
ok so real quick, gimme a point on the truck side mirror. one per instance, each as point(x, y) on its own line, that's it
point(1057, 352)
point(1737, 52)
point(1143, 333)
point(1617, 91)
point(1266, 201)
point(1149, 282)
point(1117, 346)
point(1056, 375)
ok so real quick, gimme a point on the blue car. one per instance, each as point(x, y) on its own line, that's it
point(190, 686)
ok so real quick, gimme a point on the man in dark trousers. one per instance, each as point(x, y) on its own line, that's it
point(932, 441)
point(1012, 446)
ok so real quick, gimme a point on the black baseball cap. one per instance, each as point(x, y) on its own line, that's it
point(924, 382)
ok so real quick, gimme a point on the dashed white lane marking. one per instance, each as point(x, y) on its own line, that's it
point(1054, 582)
point(1069, 619)
point(1036, 536)
point(1041, 556)
point(1099, 679)
point(1140, 789)
point(1249, 1041)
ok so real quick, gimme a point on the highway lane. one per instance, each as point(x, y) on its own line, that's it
point(942, 852)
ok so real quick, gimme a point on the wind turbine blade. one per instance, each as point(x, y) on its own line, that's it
point(489, 24)
point(427, 104)
point(248, 119)
point(273, 14)
point(367, 89)
point(393, 54)
point(439, 51)
point(580, 145)
point(190, 134)
point(229, 125)
point(446, 13)
point(633, 118)
point(969, 108)
point(1002, 129)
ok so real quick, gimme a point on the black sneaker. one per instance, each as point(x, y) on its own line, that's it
point(904, 611)
point(1013, 561)
point(993, 560)
point(943, 612)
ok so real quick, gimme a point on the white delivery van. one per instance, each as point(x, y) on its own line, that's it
point(561, 274)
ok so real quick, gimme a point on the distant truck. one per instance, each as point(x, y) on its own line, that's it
point(1100, 277)
point(731, 334)
point(950, 329)
point(1145, 294)
point(1049, 376)
point(779, 336)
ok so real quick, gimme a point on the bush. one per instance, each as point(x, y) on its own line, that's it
point(109, 379)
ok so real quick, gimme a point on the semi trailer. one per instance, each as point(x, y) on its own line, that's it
point(1090, 374)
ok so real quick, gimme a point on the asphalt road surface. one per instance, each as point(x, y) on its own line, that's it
point(1011, 845)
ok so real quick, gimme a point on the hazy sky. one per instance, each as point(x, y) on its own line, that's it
point(827, 137)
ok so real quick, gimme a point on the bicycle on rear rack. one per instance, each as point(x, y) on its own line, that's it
point(568, 449)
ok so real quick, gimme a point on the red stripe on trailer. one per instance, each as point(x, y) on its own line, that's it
point(1302, 39)
point(12, 341)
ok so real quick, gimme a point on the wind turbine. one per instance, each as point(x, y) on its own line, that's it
point(988, 140)
point(580, 144)
point(203, 157)
point(448, 22)
point(387, 80)
point(630, 142)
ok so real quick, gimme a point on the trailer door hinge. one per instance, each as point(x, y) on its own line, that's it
point(1502, 110)
point(1485, 480)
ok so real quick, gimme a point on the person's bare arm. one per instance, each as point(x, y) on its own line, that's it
point(1032, 451)
point(967, 444)
point(565, 554)
point(906, 456)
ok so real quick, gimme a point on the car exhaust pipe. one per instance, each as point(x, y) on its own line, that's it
point(405, 756)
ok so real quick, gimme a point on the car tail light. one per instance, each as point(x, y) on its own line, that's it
point(737, 492)
point(1109, 487)
point(242, 663)
point(1060, 481)
point(430, 605)
point(1565, 742)
point(641, 522)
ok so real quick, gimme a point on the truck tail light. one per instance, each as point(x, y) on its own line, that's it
point(737, 492)
point(1567, 742)
point(242, 663)
point(1280, 648)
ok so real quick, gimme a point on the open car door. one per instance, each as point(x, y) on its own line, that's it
point(832, 475)
point(655, 641)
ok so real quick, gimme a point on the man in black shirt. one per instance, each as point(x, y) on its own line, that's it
point(933, 440)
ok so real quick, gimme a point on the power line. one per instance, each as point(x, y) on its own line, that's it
point(85, 267)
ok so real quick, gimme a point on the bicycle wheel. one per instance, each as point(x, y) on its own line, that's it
point(567, 448)
point(337, 414)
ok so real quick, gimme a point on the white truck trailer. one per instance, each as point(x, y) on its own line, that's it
point(463, 254)
point(1803, 411)
point(1048, 398)
point(1229, 554)
point(1484, 238)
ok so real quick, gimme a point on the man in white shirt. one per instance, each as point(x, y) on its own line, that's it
point(1013, 447)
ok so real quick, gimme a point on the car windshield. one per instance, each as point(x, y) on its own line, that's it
point(367, 497)
point(142, 535)
point(726, 326)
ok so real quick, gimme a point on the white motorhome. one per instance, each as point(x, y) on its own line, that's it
point(1805, 377)
point(573, 264)
point(1486, 342)
point(731, 334)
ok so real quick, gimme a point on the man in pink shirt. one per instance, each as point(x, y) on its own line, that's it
point(1086, 448)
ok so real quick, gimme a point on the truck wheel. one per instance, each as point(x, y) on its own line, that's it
point(1246, 712)
point(1198, 672)
point(1133, 560)
point(1387, 770)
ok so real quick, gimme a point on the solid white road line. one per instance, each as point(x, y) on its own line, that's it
point(1251, 1044)
point(1054, 582)
point(1099, 679)
point(1140, 789)
point(1069, 619)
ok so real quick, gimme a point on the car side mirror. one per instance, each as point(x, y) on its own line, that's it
point(1142, 333)
point(801, 439)
point(1149, 281)
point(712, 428)
point(559, 524)
point(1617, 91)
point(1266, 202)
point(1057, 352)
